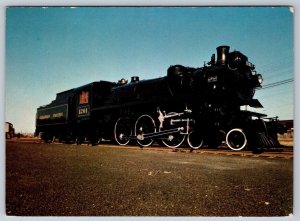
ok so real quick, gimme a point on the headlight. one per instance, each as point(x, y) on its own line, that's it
point(259, 79)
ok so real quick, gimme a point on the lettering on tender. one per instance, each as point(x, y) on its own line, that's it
point(43, 117)
point(83, 111)
point(57, 115)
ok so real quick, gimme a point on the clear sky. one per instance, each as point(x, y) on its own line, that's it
point(49, 50)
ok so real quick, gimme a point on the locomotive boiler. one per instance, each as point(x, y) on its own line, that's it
point(189, 106)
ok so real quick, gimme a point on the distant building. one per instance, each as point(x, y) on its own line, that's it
point(289, 126)
point(288, 123)
point(9, 130)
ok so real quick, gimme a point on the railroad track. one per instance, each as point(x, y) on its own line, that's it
point(285, 152)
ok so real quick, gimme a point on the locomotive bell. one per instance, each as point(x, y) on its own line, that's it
point(222, 54)
point(122, 81)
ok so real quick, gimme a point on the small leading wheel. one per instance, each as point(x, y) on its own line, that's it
point(122, 131)
point(195, 140)
point(144, 125)
point(236, 139)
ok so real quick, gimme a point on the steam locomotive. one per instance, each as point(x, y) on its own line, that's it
point(189, 106)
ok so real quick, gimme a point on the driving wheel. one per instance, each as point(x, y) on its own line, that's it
point(144, 125)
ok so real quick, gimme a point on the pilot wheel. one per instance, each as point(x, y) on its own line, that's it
point(236, 139)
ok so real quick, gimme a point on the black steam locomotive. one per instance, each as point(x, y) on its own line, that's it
point(199, 106)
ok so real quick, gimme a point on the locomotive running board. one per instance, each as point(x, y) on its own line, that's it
point(255, 103)
point(155, 134)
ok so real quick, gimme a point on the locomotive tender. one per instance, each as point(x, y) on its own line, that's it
point(199, 106)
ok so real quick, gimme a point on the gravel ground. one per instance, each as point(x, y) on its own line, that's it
point(70, 180)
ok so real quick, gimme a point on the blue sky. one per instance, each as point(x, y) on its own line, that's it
point(49, 50)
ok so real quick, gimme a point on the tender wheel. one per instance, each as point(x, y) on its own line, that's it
point(144, 125)
point(48, 138)
point(53, 139)
point(195, 140)
point(96, 140)
point(95, 137)
point(122, 131)
point(79, 140)
point(236, 139)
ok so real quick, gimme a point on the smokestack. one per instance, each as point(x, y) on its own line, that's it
point(222, 54)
